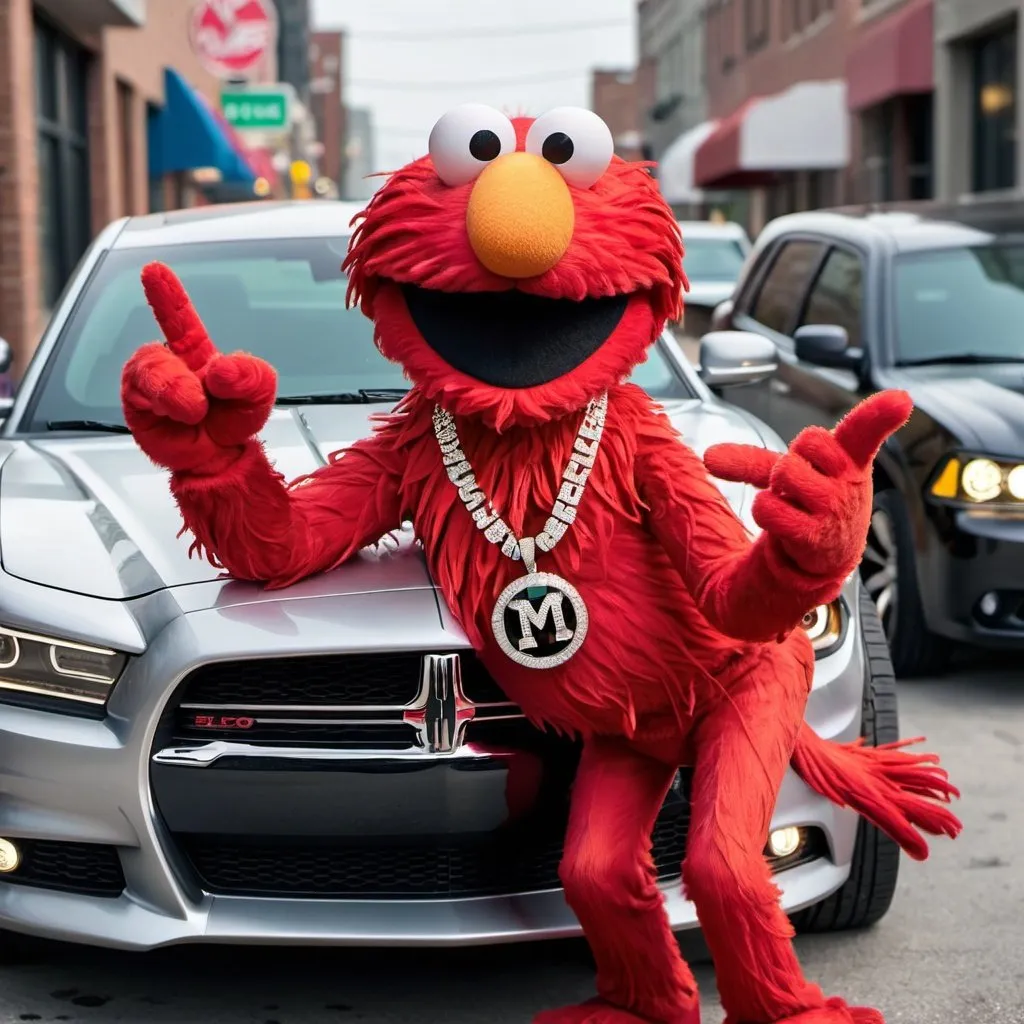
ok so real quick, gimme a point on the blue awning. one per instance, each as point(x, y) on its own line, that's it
point(186, 135)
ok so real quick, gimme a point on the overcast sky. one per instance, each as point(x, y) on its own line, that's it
point(401, 65)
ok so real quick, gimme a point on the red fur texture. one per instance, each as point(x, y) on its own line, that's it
point(625, 242)
point(693, 654)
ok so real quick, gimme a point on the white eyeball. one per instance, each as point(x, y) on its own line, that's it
point(466, 139)
point(575, 140)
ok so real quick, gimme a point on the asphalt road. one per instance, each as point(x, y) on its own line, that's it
point(949, 951)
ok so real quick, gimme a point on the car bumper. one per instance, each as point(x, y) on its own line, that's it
point(971, 556)
point(71, 781)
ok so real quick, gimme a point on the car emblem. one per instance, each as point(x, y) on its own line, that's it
point(441, 711)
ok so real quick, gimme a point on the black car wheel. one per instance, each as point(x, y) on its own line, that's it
point(890, 578)
point(867, 894)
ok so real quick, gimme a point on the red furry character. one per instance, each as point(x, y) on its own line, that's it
point(518, 273)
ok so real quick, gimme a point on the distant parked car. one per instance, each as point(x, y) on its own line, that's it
point(713, 261)
point(931, 301)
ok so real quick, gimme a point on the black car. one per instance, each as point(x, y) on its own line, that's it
point(930, 300)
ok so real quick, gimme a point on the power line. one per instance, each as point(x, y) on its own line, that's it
point(418, 85)
point(483, 32)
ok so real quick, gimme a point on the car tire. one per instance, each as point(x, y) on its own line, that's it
point(867, 894)
point(889, 573)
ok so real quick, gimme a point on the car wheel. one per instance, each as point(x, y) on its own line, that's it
point(890, 577)
point(867, 894)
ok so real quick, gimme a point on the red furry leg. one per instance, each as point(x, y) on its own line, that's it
point(610, 883)
point(899, 793)
point(743, 749)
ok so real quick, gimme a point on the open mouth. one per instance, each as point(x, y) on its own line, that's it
point(511, 339)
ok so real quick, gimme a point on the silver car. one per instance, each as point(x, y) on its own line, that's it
point(185, 757)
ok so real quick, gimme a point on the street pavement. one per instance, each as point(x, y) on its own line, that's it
point(949, 951)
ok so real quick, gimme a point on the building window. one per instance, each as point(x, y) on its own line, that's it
point(756, 24)
point(802, 14)
point(126, 143)
point(878, 125)
point(919, 119)
point(995, 111)
point(62, 139)
point(157, 203)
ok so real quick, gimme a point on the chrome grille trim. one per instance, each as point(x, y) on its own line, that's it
point(439, 720)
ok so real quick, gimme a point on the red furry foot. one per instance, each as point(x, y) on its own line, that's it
point(597, 1011)
point(835, 1011)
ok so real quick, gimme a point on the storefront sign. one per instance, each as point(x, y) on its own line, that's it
point(231, 37)
point(257, 109)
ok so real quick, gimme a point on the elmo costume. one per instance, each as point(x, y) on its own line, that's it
point(519, 273)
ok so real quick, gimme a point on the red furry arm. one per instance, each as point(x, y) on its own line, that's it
point(247, 521)
point(748, 590)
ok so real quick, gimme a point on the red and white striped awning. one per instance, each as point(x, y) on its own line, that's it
point(676, 166)
point(804, 128)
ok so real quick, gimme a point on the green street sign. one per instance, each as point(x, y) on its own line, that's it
point(257, 109)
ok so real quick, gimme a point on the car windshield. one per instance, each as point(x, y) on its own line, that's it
point(712, 259)
point(957, 304)
point(283, 300)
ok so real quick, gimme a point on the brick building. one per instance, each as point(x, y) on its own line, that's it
point(672, 44)
point(326, 55)
point(616, 97)
point(777, 100)
point(100, 101)
point(890, 89)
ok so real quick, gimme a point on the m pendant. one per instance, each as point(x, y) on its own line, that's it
point(540, 620)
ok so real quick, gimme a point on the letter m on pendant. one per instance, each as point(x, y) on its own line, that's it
point(529, 617)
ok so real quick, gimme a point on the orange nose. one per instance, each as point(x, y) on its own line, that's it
point(520, 216)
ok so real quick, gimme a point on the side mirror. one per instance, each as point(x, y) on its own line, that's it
point(5, 355)
point(826, 345)
point(730, 359)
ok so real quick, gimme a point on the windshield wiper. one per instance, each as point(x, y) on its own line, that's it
point(966, 359)
point(97, 425)
point(364, 396)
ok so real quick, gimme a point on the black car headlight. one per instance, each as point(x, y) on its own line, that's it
point(979, 481)
point(56, 675)
point(825, 627)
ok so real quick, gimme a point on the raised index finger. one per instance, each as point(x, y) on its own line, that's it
point(865, 428)
point(186, 336)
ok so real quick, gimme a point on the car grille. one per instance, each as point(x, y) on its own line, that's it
point(374, 870)
point(363, 703)
point(354, 701)
point(367, 679)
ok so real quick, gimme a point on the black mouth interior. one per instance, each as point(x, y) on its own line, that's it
point(510, 339)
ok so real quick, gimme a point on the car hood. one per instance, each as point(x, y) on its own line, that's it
point(982, 406)
point(92, 515)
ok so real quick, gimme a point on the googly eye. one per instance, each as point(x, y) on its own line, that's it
point(466, 139)
point(575, 140)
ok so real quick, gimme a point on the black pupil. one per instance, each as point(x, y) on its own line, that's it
point(485, 145)
point(557, 148)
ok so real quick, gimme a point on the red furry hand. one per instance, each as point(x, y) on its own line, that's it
point(190, 408)
point(816, 499)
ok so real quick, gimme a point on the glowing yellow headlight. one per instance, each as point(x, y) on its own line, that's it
point(981, 479)
point(823, 625)
point(1015, 482)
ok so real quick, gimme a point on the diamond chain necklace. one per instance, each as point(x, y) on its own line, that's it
point(563, 514)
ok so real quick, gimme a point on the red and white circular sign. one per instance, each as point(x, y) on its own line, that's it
point(230, 37)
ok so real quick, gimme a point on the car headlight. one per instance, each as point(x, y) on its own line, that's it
point(980, 480)
point(56, 675)
point(824, 627)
